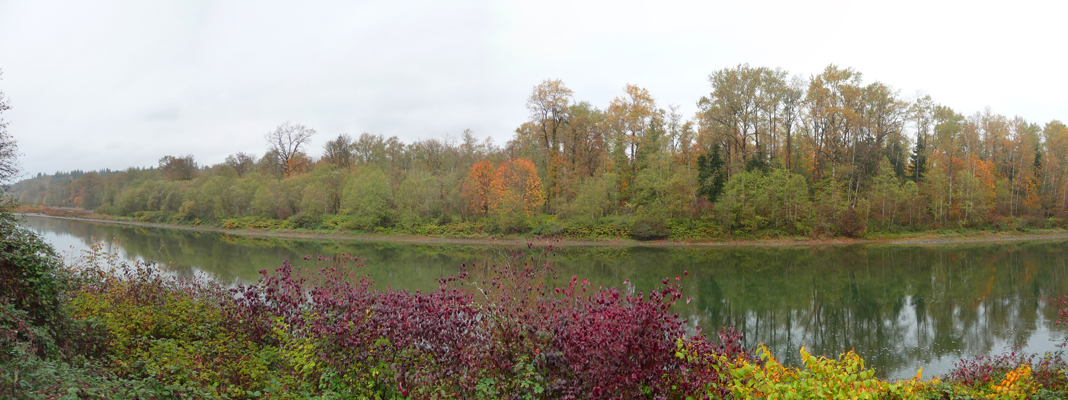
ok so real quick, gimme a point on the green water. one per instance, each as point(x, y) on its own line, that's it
point(900, 307)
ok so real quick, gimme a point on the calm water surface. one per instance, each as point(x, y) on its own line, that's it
point(900, 307)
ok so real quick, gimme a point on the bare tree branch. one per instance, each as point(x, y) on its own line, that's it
point(286, 140)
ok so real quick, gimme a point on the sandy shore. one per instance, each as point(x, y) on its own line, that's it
point(919, 239)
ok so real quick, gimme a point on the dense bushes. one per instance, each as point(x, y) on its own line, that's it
point(490, 331)
point(29, 273)
point(649, 229)
point(514, 338)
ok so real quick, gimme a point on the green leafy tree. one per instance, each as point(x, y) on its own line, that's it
point(417, 198)
point(338, 152)
point(594, 199)
point(368, 198)
point(241, 162)
point(886, 195)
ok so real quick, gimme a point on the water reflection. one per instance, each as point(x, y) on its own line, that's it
point(900, 307)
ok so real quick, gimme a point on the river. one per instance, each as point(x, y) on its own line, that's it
point(900, 307)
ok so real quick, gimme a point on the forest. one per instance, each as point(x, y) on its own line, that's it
point(767, 153)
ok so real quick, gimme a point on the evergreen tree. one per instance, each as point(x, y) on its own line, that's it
point(896, 156)
point(918, 161)
point(711, 175)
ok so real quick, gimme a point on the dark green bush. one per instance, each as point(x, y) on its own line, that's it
point(650, 229)
point(30, 275)
point(304, 221)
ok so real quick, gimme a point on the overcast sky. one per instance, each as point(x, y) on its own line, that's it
point(116, 84)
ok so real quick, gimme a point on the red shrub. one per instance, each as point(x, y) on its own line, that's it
point(503, 329)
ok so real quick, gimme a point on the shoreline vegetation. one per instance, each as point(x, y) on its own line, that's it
point(101, 327)
point(767, 156)
point(937, 237)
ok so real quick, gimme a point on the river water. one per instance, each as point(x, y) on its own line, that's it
point(900, 307)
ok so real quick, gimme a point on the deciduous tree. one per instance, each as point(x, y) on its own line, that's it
point(178, 168)
point(286, 141)
point(241, 162)
point(518, 188)
point(479, 189)
point(339, 151)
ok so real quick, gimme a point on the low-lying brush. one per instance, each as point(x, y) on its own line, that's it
point(494, 330)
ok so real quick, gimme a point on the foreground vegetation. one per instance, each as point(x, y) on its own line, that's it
point(99, 328)
point(767, 154)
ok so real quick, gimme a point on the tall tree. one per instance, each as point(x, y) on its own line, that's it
point(834, 98)
point(518, 188)
point(286, 141)
point(339, 151)
point(549, 106)
point(178, 168)
point(631, 116)
point(711, 175)
point(584, 140)
point(792, 101)
point(479, 189)
point(1055, 140)
point(922, 113)
point(241, 162)
point(948, 125)
point(918, 161)
point(747, 107)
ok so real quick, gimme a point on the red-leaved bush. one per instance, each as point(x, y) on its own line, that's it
point(1048, 369)
point(495, 330)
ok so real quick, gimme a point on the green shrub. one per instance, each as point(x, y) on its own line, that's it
point(650, 229)
point(157, 217)
point(547, 227)
point(31, 278)
point(173, 330)
point(304, 221)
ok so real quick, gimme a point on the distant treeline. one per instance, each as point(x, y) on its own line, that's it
point(767, 153)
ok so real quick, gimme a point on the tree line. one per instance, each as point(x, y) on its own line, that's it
point(766, 152)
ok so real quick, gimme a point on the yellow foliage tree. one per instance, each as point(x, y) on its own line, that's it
point(479, 191)
point(518, 189)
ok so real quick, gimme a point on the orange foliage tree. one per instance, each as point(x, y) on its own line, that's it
point(518, 189)
point(479, 191)
point(297, 164)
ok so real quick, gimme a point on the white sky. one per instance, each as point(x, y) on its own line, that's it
point(116, 84)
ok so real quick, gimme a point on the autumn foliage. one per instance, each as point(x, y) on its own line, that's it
point(513, 189)
point(479, 189)
point(767, 154)
point(518, 188)
point(493, 330)
point(499, 329)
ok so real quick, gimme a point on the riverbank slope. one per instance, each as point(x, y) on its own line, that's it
point(934, 237)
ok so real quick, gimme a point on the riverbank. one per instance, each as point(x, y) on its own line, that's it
point(143, 333)
point(939, 237)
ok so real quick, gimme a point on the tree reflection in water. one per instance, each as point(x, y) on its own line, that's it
point(900, 307)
